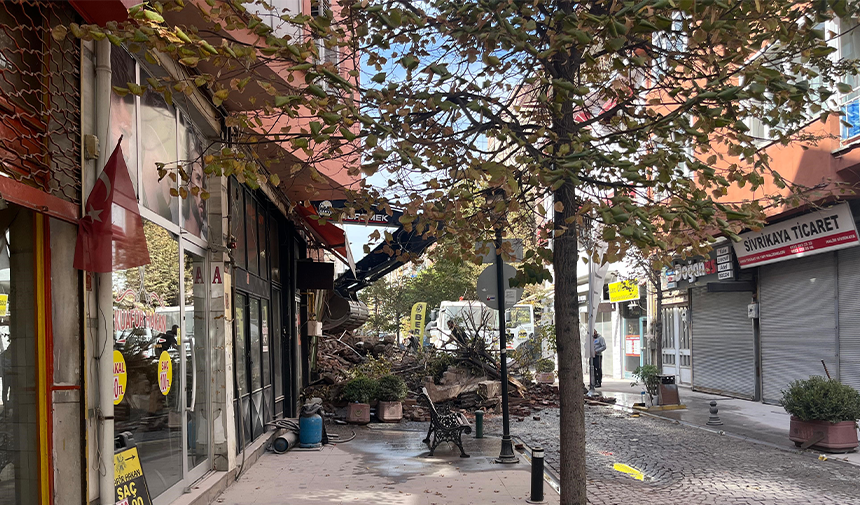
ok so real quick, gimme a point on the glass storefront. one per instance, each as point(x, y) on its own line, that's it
point(161, 335)
point(19, 428)
point(161, 310)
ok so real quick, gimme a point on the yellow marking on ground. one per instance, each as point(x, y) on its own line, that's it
point(629, 470)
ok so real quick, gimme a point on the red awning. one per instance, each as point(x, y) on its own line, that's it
point(331, 235)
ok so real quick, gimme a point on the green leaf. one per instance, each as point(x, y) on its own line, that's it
point(844, 88)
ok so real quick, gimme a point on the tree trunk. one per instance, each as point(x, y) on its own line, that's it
point(570, 378)
point(658, 326)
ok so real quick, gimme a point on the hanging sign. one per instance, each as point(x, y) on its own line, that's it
point(129, 482)
point(165, 373)
point(120, 377)
point(624, 291)
point(817, 232)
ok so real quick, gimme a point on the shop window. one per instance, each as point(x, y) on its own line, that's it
point(251, 235)
point(158, 145)
point(123, 114)
point(274, 251)
point(194, 217)
point(262, 236)
point(239, 343)
point(254, 344)
point(276, 345)
point(19, 427)
point(237, 222)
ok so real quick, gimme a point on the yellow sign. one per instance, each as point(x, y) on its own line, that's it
point(128, 478)
point(419, 312)
point(4, 305)
point(624, 291)
point(165, 373)
point(120, 377)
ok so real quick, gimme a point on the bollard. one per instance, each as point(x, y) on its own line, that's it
point(479, 424)
point(537, 476)
point(714, 419)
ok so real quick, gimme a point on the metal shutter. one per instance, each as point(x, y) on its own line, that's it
point(723, 343)
point(798, 321)
point(849, 317)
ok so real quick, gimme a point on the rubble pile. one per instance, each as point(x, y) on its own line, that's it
point(452, 383)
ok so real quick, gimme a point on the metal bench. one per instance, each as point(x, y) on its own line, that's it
point(445, 427)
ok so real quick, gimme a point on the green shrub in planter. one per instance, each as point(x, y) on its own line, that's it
point(545, 365)
point(820, 399)
point(392, 389)
point(648, 376)
point(360, 390)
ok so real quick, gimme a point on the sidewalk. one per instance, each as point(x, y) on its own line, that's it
point(386, 464)
point(741, 418)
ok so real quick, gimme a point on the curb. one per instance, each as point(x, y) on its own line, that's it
point(550, 475)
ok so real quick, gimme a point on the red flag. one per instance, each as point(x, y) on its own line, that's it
point(110, 235)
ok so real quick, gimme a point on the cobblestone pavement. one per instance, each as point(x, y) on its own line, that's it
point(682, 464)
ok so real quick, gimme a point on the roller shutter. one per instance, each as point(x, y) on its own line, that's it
point(723, 343)
point(798, 321)
point(849, 317)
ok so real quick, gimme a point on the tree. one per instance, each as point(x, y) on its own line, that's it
point(631, 116)
point(627, 117)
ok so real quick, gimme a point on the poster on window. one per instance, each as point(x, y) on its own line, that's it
point(632, 345)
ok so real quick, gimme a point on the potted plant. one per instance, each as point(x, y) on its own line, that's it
point(358, 392)
point(544, 369)
point(824, 413)
point(649, 377)
point(391, 392)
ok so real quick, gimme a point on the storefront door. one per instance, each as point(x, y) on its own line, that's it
point(196, 345)
point(676, 344)
point(161, 335)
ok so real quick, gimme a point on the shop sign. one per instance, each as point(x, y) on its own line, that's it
point(4, 305)
point(165, 372)
point(624, 291)
point(129, 482)
point(817, 232)
point(376, 217)
point(120, 377)
point(719, 266)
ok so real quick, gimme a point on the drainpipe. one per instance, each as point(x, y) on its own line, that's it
point(103, 289)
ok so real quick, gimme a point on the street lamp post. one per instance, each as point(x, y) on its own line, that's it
point(507, 452)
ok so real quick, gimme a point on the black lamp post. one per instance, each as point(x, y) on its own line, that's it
point(507, 452)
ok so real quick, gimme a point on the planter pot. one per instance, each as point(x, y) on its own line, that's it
point(389, 412)
point(839, 437)
point(358, 413)
point(545, 377)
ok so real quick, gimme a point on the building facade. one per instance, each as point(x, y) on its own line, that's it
point(190, 356)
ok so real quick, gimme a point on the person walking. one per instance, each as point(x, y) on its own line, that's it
point(597, 360)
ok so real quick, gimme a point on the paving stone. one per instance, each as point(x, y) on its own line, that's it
point(682, 464)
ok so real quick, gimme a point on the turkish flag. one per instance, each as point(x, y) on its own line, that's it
point(110, 235)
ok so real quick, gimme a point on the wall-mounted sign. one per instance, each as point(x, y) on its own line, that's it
point(817, 232)
point(376, 217)
point(697, 271)
point(624, 291)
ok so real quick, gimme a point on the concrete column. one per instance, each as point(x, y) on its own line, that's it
point(221, 328)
